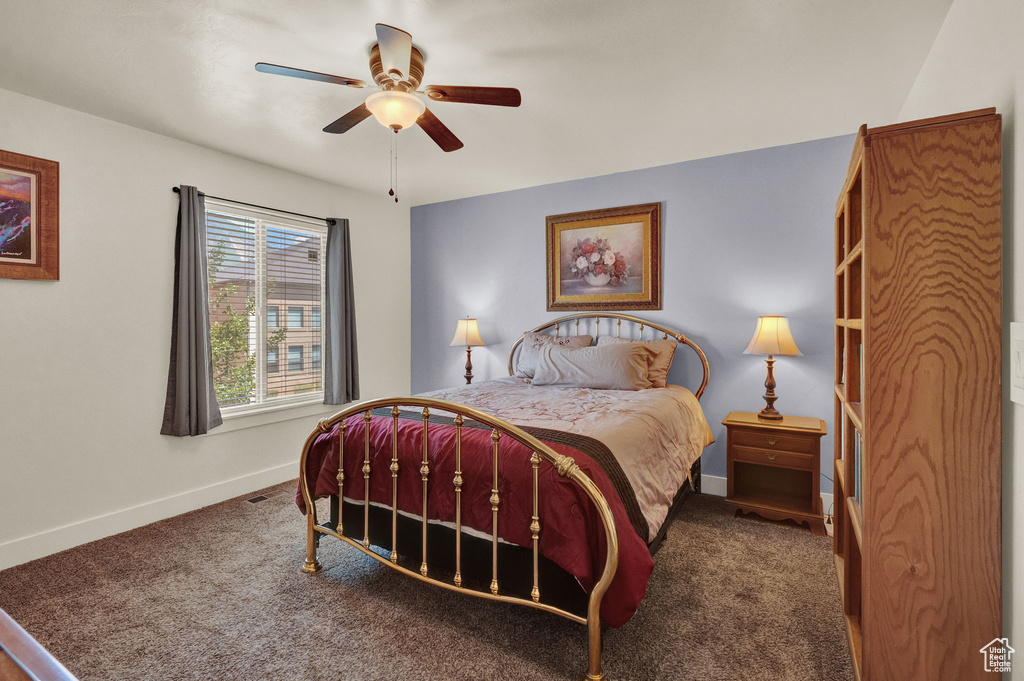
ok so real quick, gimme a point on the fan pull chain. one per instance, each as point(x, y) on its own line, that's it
point(394, 167)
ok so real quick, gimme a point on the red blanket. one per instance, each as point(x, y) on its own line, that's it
point(571, 532)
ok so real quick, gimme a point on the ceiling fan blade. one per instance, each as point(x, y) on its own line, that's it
point(495, 96)
point(263, 67)
point(438, 132)
point(395, 51)
point(349, 120)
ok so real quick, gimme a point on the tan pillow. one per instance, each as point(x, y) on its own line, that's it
point(606, 367)
point(664, 351)
point(532, 342)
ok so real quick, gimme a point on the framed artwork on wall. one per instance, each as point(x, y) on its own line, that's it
point(29, 213)
point(608, 259)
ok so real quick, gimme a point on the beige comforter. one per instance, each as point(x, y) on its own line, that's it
point(655, 434)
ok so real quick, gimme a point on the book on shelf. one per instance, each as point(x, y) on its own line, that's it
point(858, 464)
point(841, 457)
point(860, 365)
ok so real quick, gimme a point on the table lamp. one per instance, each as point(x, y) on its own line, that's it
point(771, 337)
point(467, 333)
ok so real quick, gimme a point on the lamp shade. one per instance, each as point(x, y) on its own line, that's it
point(772, 337)
point(395, 109)
point(467, 333)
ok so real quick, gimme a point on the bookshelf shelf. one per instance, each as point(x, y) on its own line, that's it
point(853, 508)
point(855, 410)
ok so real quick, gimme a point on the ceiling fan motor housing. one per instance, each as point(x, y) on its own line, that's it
point(405, 82)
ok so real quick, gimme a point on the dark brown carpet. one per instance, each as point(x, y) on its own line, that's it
point(217, 594)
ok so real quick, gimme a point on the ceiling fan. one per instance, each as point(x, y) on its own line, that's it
point(397, 69)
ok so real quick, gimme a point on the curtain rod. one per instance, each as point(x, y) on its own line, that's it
point(330, 221)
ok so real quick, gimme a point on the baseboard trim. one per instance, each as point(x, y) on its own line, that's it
point(25, 549)
point(712, 484)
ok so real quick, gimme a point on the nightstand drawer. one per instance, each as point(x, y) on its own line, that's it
point(768, 457)
point(786, 443)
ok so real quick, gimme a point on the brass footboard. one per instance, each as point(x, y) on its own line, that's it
point(540, 454)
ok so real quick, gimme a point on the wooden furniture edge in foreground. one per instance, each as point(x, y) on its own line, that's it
point(23, 659)
point(787, 450)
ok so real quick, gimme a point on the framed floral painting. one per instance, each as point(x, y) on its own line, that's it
point(607, 259)
point(28, 217)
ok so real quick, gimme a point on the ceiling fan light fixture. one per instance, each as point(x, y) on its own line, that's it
point(395, 109)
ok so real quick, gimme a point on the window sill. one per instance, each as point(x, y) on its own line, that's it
point(252, 419)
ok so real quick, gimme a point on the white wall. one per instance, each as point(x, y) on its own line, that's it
point(977, 61)
point(83, 361)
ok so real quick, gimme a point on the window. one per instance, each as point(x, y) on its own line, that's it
point(316, 358)
point(316, 317)
point(260, 270)
point(294, 358)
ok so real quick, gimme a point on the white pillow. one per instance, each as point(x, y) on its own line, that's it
point(664, 351)
point(532, 342)
point(606, 367)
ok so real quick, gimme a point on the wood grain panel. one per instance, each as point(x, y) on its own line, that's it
point(932, 257)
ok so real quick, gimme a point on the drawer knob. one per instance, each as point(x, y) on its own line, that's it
point(771, 441)
point(771, 457)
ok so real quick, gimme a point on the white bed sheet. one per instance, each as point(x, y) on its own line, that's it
point(655, 434)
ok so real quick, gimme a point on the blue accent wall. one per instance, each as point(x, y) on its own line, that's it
point(743, 235)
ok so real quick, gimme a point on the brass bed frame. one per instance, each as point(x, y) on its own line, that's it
point(541, 454)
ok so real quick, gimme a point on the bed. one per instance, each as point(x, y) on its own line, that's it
point(551, 488)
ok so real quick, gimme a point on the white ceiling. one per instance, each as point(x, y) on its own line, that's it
point(607, 85)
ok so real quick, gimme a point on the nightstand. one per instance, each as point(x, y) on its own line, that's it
point(774, 467)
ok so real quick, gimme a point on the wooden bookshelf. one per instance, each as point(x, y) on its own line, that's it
point(917, 397)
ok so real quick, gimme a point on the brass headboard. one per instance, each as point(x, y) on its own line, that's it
point(614, 330)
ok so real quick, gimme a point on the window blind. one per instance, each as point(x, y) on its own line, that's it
point(266, 278)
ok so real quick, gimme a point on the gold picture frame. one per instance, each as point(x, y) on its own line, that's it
point(608, 259)
point(29, 215)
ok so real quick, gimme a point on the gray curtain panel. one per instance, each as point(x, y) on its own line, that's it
point(341, 363)
point(191, 407)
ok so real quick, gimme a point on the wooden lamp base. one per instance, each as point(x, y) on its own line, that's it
point(769, 413)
